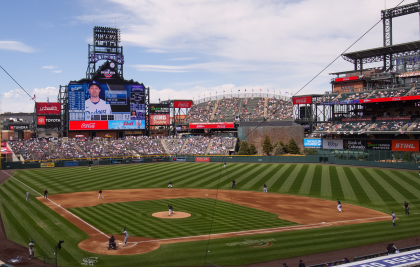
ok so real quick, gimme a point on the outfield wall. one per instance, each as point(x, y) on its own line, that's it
point(330, 159)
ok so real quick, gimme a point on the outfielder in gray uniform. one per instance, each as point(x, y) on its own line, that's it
point(27, 195)
point(31, 250)
point(393, 218)
point(125, 236)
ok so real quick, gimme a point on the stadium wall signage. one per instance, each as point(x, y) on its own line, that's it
point(405, 145)
point(316, 143)
point(379, 144)
point(138, 160)
point(390, 99)
point(183, 104)
point(354, 144)
point(179, 159)
point(159, 119)
point(408, 258)
point(202, 159)
point(48, 108)
point(71, 163)
point(332, 144)
point(19, 128)
point(345, 79)
point(49, 121)
point(96, 57)
point(379, 119)
point(212, 125)
point(302, 100)
point(157, 159)
point(47, 165)
point(5, 149)
point(116, 161)
point(409, 74)
point(105, 125)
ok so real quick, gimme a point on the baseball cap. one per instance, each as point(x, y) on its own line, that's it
point(93, 83)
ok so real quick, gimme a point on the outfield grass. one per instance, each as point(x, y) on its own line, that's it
point(378, 189)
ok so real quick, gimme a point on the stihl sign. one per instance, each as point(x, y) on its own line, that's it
point(88, 125)
point(302, 100)
point(182, 104)
point(48, 108)
point(215, 125)
point(403, 145)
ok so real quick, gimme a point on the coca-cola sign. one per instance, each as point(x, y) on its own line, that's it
point(183, 104)
point(302, 100)
point(88, 125)
point(212, 125)
point(48, 108)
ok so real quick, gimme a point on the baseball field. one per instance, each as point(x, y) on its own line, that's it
point(223, 226)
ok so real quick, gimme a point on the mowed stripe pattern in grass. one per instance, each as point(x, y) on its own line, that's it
point(373, 188)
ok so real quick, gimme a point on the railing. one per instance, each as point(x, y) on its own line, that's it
point(241, 95)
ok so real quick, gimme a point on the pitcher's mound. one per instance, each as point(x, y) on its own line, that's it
point(175, 215)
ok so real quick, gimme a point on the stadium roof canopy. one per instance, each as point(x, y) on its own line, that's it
point(378, 54)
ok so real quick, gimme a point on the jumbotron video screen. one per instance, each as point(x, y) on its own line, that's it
point(102, 105)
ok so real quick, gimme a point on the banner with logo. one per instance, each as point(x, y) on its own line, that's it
point(183, 104)
point(405, 145)
point(302, 100)
point(138, 160)
point(202, 159)
point(378, 144)
point(49, 120)
point(178, 159)
point(116, 161)
point(88, 125)
point(159, 119)
point(157, 159)
point(312, 143)
point(212, 125)
point(5, 149)
point(48, 108)
point(332, 143)
point(47, 164)
point(131, 124)
point(19, 128)
point(390, 99)
point(354, 144)
point(71, 163)
point(345, 79)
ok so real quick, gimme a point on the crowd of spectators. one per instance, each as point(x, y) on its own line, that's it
point(174, 145)
point(196, 145)
point(221, 145)
point(227, 109)
point(200, 113)
point(252, 109)
point(387, 126)
point(389, 93)
point(279, 109)
point(145, 145)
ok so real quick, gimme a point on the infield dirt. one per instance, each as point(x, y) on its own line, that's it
point(306, 211)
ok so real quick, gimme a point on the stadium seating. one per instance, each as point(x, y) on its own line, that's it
point(221, 145)
point(174, 145)
point(384, 126)
point(200, 112)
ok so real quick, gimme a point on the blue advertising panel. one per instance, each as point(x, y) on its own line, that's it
point(129, 124)
point(71, 163)
point(178, 159)
point(312, 143)
point(138, 160)
point(409, 258)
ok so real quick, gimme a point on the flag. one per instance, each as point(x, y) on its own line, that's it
point(239, 90)
point(33, 98)
point(260, 89)
point(245, 90)
point(48, 101)
point(287, 93)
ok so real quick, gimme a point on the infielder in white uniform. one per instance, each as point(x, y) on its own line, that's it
point(265, 188)
point(100, 194)
point(170, 210)
point(94, 105)
point(170, 184)
point(339, 205)
point(31, 250)
point(125, 236)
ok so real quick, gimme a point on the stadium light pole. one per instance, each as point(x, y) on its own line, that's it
point(59, 247)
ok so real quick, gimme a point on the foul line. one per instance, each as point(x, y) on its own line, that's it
point(77, 217)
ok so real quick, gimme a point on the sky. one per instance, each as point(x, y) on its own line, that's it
point(185, 49)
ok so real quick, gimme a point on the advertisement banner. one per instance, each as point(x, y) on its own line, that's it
point(5, 149)
point(48, 108)
point(183, 104)
point(379, 144)
point(345, 79)
point(159, 119)
point(390, 99)
point(138, 160)
point(212, 125)
point(202, 159)
point(131, 124)
point(71, 163)
point(47, 164)
point(302, 100)
point(88, 125)
point(354, 144)
point(312, 143)
point(49, 121)
point(116, 161)
point(405, 145)
point(157, 159)
point(178, 159)
point(19, 128)
point(332, 144)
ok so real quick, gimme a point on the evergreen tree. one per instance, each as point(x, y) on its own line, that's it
point(252, 149)
point(278, 150)
point(284, 147)
point(243, 148)
point(292, 147)
point(267, 146)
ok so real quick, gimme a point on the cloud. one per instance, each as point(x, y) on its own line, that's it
point(48, 67)
point(16, 46)
point(183, 58)
point(57, 71)
point(16, 93)
point(209, 66)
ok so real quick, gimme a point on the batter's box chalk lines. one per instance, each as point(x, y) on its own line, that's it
point(59, 206)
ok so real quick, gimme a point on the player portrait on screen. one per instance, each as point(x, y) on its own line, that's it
point(94, 105)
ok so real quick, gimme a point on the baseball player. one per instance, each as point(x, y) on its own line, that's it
point(233, 184)
point(406, 208)
point(125, 236)
point(31, 250)
point(90, 164)
point(170, 209)
point(265, 188)
point(27, 195)
point(46, 194)
point(393, 218)
point(339, 205)
point(225, 165)
point(170, 184)
point(100, 194)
